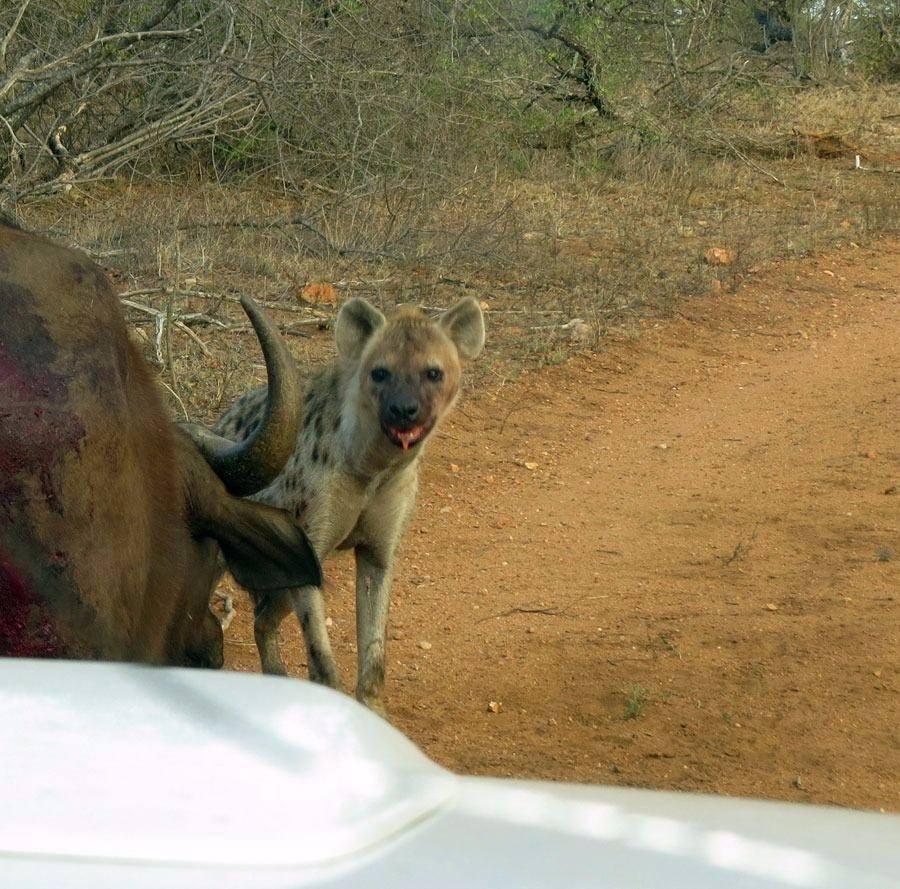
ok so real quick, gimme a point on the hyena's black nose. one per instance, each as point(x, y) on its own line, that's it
point(403, 410)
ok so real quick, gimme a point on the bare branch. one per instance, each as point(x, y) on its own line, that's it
point(164, 319)
point(7, 38)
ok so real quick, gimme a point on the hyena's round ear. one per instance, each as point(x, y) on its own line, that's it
point(357, 320)
point(464, 324)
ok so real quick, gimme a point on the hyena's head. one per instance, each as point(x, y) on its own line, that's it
point(407, 366)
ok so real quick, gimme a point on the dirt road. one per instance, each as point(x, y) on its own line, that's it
point(672, 564)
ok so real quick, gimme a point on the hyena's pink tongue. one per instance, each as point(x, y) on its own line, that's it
point(408, 437)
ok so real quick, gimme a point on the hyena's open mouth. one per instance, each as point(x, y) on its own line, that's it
point(407, 438)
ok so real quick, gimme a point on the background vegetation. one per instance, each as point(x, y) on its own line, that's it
point(570, 161)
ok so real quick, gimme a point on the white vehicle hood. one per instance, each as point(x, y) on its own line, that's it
point(184, 766)
point(116, 775)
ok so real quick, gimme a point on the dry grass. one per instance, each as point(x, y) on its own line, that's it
point(606, 237)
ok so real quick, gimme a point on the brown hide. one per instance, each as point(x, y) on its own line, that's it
point(104, 552)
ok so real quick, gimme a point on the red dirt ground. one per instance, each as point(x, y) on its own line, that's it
point(674, 563)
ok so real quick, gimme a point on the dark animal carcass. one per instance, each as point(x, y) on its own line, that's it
point(112, 524)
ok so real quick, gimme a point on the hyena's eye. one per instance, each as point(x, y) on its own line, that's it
point(434, 374)
point(379, 374)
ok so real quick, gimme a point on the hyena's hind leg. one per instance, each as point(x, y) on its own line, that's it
point(309, 603)
point(269, 610)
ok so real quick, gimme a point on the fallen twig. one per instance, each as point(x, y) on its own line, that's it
point(177, 397)
point(221, 297)
point(551, 612)
point(740, 549)
point(751, 163)
point(290, 329)
point(161, 319)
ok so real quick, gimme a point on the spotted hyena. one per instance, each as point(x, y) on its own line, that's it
point(353, 475)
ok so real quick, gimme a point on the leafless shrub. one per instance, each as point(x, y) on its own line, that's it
point(332, 94)
point(366, 103)
point(83, 95)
